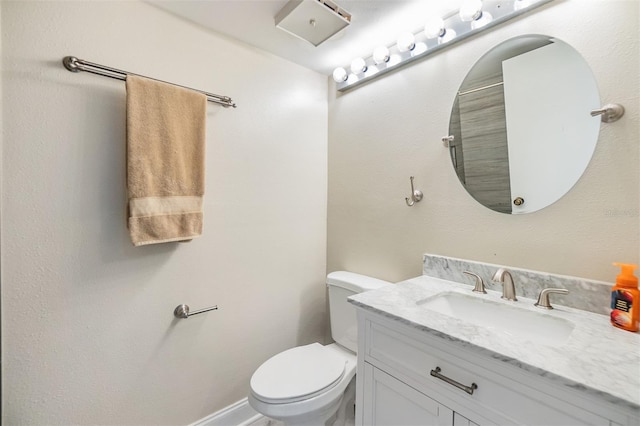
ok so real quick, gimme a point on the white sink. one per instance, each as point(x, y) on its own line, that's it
point(500, 317)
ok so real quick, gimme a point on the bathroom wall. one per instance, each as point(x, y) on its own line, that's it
point(88, 333)
point(390, 128)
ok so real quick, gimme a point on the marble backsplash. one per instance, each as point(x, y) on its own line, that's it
point(585, 294)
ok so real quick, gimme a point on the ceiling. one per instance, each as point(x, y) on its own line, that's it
point(373, 23)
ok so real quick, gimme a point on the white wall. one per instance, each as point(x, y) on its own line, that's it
point(389, 129)
point(88, 333)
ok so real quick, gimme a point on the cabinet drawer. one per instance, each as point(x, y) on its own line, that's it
point(496, 397)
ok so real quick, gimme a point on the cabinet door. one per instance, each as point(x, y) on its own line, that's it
point(390, 402)
point(459, 420)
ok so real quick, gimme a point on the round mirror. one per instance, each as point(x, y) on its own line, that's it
point(521, 132)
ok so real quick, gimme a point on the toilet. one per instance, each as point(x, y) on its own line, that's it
point(315, 384)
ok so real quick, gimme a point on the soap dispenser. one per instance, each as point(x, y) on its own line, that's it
point(625, 299)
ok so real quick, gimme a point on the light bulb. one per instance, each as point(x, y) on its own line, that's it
point(406, 42)
point(358, 66)
point(449, 34)
point(380, 55)
point(521, 4)
point(470, 10)
point(434, 27)
point(419, 49)
point(339, 75)
point(395, 59)
point(483, 20)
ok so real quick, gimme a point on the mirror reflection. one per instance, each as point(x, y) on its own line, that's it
point(521, 124)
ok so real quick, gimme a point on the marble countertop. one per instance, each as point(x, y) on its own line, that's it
point(597, 358)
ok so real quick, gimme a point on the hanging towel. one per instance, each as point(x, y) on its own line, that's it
point(165, 161)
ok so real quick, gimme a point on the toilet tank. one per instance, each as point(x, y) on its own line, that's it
point(342, 314)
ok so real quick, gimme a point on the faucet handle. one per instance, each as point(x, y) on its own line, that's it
point(543, 298)
point(479, 288)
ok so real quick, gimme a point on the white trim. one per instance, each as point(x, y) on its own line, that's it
point(237, 414)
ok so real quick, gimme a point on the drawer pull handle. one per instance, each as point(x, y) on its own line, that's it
point(467, 389)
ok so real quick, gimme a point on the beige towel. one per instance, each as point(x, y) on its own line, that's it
point(165, 161)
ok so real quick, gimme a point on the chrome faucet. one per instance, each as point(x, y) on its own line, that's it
point(508, 289)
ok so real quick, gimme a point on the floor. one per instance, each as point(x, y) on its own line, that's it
point(265, 421)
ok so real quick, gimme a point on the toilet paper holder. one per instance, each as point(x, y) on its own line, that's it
point(182, 311)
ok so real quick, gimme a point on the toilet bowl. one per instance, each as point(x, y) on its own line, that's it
point(315, 384)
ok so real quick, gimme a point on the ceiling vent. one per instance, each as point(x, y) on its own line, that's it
point(312, 20)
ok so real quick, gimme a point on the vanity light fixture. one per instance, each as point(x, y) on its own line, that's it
point(484, 19)
point(406, 42)
point(521, 4)
point(419, 49)
point(438, 33)
point(448, 36)
point(358, 66)
point(340, 75)
point(470, 10)
point(381, 55)
point(434, 27)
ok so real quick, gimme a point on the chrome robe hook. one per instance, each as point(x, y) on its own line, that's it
point(416, 195)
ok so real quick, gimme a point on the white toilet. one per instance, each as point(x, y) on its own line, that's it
point(315, 384)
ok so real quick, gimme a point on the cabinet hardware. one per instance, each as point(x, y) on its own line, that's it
point(467, 389)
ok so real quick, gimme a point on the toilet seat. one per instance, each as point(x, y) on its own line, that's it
point(297, 374)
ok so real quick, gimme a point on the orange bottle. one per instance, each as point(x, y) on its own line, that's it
point(625, 299)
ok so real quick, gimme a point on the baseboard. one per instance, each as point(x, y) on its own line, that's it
point(237, 414)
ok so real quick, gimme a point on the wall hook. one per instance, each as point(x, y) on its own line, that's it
point(416, 195)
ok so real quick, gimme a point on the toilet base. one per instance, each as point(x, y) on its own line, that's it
point(345, 416)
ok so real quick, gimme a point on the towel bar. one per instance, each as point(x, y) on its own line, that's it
point(74, 64)
point(182, 311)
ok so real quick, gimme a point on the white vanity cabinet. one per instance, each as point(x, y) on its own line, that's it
point(395, 385)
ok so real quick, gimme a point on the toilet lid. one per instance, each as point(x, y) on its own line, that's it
point(297, 374)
